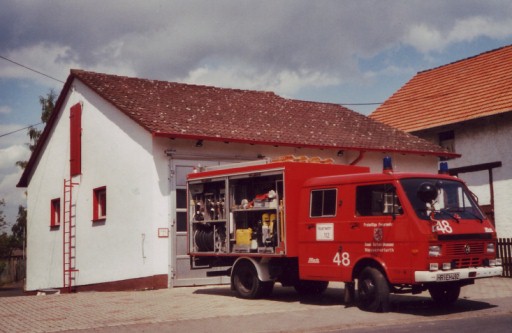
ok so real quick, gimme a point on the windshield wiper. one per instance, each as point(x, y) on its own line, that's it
point(474, 215)
point(450, 214)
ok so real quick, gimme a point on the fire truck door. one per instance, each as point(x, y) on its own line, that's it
point(319, 251)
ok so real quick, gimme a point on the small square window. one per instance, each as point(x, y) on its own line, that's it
point(323, 203)
point(55, 213)
point(99, 204)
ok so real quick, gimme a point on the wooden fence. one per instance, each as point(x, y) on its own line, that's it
point(12, 269)
point(505, 253)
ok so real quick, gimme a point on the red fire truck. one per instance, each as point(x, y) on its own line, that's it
point(305, 224)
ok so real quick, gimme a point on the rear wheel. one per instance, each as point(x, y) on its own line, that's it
point(444, 293)
point(373, 291)
point(310, 287)
point(247, 284)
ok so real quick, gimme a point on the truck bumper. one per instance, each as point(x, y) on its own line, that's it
point(457, 274)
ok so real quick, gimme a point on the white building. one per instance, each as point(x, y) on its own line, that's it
point(131, 142)
point(465, 106)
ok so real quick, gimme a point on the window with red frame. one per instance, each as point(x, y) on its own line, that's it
point(55, 213)
point(99, 211)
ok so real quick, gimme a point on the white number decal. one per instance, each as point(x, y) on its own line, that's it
point(341, 259)
point(444, 227)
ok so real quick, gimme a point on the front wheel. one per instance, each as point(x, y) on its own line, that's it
point(373, 291)
point(247, 284)
point(444, 293)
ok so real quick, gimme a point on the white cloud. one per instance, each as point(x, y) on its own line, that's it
point(473, 27)
point(427, 37)
point(284, 83)
point(42, 57)
point(10, 155)
point(19, 137)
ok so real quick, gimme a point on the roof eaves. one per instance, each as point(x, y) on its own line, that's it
point(439, 153)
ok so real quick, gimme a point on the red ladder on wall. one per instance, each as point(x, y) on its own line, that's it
point(69, 236)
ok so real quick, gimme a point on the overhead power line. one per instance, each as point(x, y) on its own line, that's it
point(31, 69)
point(21, 129)
point(372, 103)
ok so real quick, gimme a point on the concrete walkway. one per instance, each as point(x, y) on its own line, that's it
point(207, 309)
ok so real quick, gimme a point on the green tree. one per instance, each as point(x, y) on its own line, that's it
point(5, 240)
point(19, 229)
point(47, 105)
point(3, 222)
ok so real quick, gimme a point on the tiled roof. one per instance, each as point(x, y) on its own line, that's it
point(210, 113)
point(179, 110)
point(468, 89)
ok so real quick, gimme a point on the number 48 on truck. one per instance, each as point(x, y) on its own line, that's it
point(306, 224)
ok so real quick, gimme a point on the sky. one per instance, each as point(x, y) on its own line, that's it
point(344, 52)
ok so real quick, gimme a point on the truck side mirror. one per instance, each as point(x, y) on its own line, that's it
point(427, 192)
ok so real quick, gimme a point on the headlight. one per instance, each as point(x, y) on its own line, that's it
point(434, 251)
point(490, 248)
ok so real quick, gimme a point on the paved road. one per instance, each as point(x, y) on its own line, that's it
point(487, 324)
point(216, 309)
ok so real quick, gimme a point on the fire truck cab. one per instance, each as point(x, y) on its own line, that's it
point(305, 224)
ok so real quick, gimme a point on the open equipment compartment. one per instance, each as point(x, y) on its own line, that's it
point(239, 213)
point(207, 216)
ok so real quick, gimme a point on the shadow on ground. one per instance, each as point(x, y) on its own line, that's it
point(407, 304)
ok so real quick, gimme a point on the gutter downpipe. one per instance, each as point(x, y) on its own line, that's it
point(358, 158)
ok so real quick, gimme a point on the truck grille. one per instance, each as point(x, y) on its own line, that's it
point(464, 254)
point(466, 262)
point(461, 249)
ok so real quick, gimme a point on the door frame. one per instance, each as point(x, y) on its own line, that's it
point(193, 161)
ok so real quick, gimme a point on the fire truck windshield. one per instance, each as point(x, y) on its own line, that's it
point(453, 201)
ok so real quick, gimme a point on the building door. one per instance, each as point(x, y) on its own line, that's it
point(180, 273)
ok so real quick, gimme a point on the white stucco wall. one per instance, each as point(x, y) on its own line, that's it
point(487, 141)
point(220, 150)
point(44, 245)
point(116, 153)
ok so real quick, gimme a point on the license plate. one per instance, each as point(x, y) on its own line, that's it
point(447, 276)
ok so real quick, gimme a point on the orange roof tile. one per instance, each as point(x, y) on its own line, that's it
point(468, 89)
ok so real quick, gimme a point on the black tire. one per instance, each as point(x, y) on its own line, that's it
point(444, 293)
point(310, 287)
point(373, 291)
point(247, 284)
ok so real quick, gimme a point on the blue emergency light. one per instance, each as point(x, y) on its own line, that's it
point(443, 168)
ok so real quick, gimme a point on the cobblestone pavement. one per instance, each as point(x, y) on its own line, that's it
point(209, 308)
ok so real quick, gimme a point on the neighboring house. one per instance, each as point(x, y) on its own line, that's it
point(465, 106)
point(106, 183)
